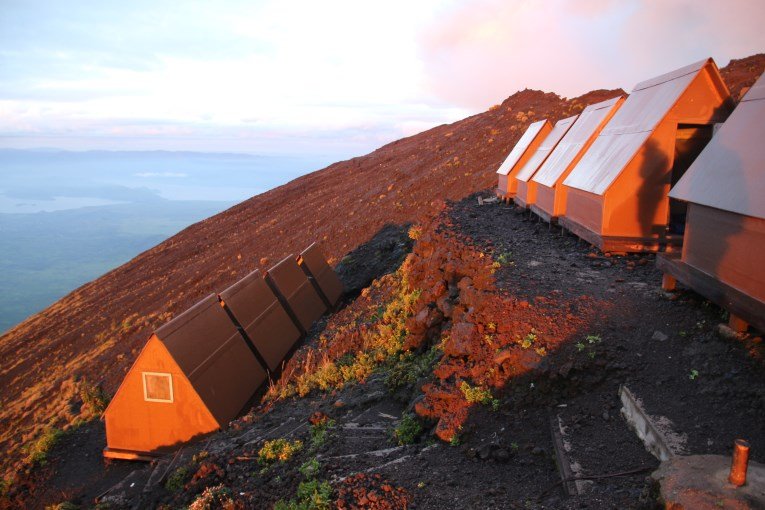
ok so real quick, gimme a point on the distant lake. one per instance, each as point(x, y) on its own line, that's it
point(68, 217)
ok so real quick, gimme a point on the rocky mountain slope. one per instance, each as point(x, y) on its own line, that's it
point(92, 335)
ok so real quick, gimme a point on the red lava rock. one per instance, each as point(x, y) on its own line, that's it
point(465, 283)
point(460, 339)
point(502, 356)
point(445, 306)
point(372, 492)
point(318, 418)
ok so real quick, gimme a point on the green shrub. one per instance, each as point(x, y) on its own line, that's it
point(408, 430)
point(177, 479)
point(410, 368)
point(37, 453)
point(319, 433)
point(93, 397)
point(218, 496)
point(311, 495)
point(280, 450)
point(478, 395)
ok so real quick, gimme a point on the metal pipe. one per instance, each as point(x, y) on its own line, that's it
point(739, 463)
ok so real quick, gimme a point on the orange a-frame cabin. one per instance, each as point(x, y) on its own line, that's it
point(195, 374)
point(507, 185)
point(618, 192)
point(550, 193)
point(527, 190)
point(266, 324)
point(722, 256)
point(315, 266)
point(292, 285)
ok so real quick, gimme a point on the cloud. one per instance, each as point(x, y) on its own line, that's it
point(478, 53)
point(254, 72)
point(337, 75)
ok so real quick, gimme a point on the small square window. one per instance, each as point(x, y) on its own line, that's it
point(157, 387)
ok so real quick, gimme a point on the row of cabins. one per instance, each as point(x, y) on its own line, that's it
point(202, 369)
point(672, 168)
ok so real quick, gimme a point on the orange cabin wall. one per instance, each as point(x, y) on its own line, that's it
point(508, 184)
point(133, 424)
point(560, 201)
point(546, 199)
point(527, 191)
point(727, 246)
point(502, 184)
point(585, 208)
point(637, 202)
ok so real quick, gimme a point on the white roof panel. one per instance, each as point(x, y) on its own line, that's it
point(545, 148)
point(521, 147)
point(629, 128)
point(577, 137)
point(729, 174)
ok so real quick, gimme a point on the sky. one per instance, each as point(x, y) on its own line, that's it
point(326, 77)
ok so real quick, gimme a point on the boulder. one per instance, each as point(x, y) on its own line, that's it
point(700, 482)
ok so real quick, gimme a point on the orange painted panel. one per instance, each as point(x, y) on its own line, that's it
point(636, 205)
point(727, 246)
point(585, 208)
point(546, 199)
point(507, 182)
point(134, 424)
point(527, 193)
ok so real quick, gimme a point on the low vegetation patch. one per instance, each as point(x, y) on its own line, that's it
point(408, 430)
point(218, 496)
point(278, 450)
point(312, 494)
point(94, 398)
point(367, 338)
point(319, 433)
point(37, 454)
point(478, 395)
point(408, 368)
point(177, 479)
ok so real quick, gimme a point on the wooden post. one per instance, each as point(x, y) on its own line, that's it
point(668, 282)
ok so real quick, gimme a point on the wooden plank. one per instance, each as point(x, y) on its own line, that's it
point(581, 232)
point(736, 302)
point(544, 215)
point(111, 453)
point(561, 459)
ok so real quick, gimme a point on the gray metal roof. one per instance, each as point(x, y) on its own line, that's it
point(521, 147)
point(585, 127)
point(545, 148)
point(265, 321)
point(214, 357)
point(630, 127)
point(313, 261)
point(729, 174)
point(293, 284)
